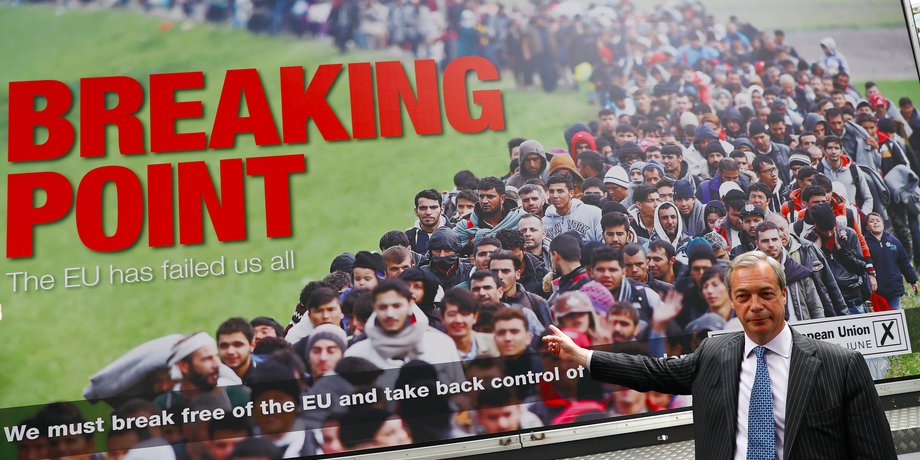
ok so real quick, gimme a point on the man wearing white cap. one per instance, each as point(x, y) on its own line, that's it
point(195, 363)
point(618, 186)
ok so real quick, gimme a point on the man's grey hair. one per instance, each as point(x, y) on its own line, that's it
point(530, 188)
point(752, 259)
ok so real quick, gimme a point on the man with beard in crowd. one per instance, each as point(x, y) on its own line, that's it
point(669, 226)
point(535, 242)
point(493, 213)
point(779, 153)
point(635, 264)
point(617, 231)
point(607, 268)
point(533, 164)
point(508, 268)
point(672, 157)
point(533, 199)
point(429, 211)
point(195, 363)
point(532, 268)
point(646, 200)
point(662, 261)
point(616, 180)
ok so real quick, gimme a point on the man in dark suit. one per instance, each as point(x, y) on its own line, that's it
point(768, 392)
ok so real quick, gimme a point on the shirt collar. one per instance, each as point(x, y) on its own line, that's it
point(781, 344)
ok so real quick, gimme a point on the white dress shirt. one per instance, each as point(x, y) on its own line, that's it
point(777, 356)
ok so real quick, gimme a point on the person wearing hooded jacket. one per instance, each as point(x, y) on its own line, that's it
point(676, 237)
point(532, 153)
point(691, 211)
point(581, 141)
point(836, 165)
point(443, 261)
point(430, 290)
point(570, 214)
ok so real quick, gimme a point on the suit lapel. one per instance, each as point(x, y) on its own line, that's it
point(803, 367)
point(731, 376)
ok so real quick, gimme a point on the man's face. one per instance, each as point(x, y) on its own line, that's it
point(512, 337)
point(486, 290)
point(581, 146)
point(815, 199)
point(778, 130)
point(622, 327)
point(417, 288)
point(750, 223)
point(683, 104)
point(559, 196)
point(465, 207)
point(395, 268)
point(651, 176)
point(506, 272)
point(364, 278)
point(234, 349)
point(875, 225)
point(260, 332)
point(836, 124)
point(659, 264)
point(808, 140)
point(647, 207)
point(608, 123)
point(758, 198)
point(761, 141)
point(491, 202)
point(635, 175)
point(327, 313)
point(533, 233)
point(684, 205)
point(609, 273)
point(324, 356)
point(483, 255)
point(533, 203)
point(832, 152)
point(201, 368)
point(428, 212)
point(743, 162)
point(459, 324)
point(616, 237)
point(499, 419)
point(839, 100)
point(626, 136)
point(871, 128)
point(392, 311)
point(730, 176)
point(697, 267)
point(671, 162)
point(770, 243)
point(768, 174)
point(734, 217)
point(667, 215)
point(636, 266)
point(666, 194)
point(593, 191)
point(653, 155)
point(907, 111)
point(617, 193)
point(758, 301)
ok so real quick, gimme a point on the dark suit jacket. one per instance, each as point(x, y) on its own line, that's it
point(832, 408)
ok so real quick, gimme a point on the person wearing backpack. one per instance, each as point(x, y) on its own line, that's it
point(838, 167)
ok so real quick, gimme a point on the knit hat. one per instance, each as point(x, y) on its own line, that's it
point(823, 216)
point(683, 189)
point(756, 128)
point(688, 118)
point(699, 248)
point(705, 132)
point(571, 302)
point(371, 260)
point(343, 262)
point(640, 165)
point(330, 332)
point(716, 241)
point(564, 162)
point(617, 176)
point(711, 147)
point(444, 238)
point(798, 158)
point(601, 298)
point(743, 142)
point(653, 164)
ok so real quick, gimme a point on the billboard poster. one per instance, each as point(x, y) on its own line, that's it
point(285, 228)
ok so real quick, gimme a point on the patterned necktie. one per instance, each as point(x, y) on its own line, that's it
point(761, 425)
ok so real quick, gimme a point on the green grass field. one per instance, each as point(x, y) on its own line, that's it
point(354, 191)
